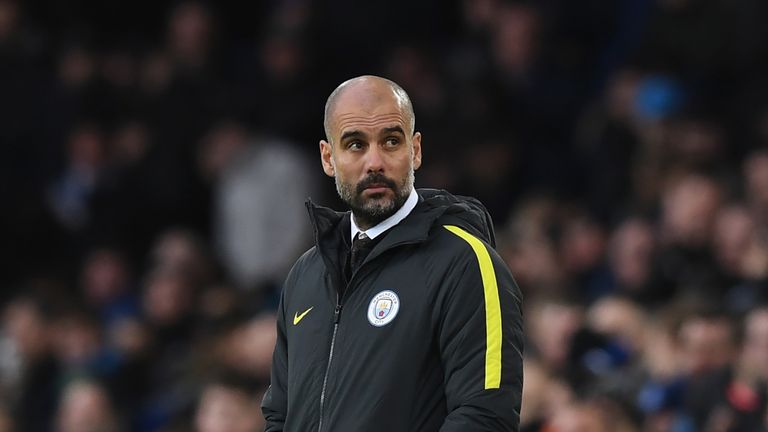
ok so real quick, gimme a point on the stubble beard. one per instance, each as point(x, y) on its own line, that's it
point(371, 211)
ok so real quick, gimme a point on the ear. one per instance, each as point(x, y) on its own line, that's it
point(325, 157)
point(416, 150)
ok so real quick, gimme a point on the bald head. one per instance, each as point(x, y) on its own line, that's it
point(368, 90)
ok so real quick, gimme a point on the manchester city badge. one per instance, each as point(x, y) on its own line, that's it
point(383, 308)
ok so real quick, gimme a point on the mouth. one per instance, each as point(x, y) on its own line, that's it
point(376, 186)
point(376, 189)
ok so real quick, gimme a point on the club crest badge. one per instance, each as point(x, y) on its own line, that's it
point(383, 308)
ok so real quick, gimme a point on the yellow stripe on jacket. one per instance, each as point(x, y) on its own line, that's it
point(492, 308)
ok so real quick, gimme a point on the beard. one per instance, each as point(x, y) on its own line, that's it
point(369, 211)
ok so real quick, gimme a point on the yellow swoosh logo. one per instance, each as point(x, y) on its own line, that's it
point(297, 317)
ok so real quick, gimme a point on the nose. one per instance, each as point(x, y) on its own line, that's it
point(374, 159)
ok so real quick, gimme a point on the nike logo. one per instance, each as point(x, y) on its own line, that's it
point(297, 317)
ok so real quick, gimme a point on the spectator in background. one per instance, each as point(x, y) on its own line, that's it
point(133, 173)
point(78, 344)
point(659, 396)
point(184, 252)
point(491, 166)
point(594, 415)
point(742, 256)
point(550, 330)
point(693, 143)
point(279, 80)
point(631, 253)
point(33, 399)
point(189, 38)
point(229, 404)
point(754, 354)
point(86, 407)
point(529, 250)
point(247, 348)
point(582, 247)
point(71, 192)
point(167, 302)
point(106, 286)
point(734, 228)
point(622, 320)
point(168, 305)
point(260, 185)
point(609, 142)
point(544, 394)
point(687, 266)
point(708, 343)
point(738, 402)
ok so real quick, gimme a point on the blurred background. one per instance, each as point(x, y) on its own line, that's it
point(155, 157)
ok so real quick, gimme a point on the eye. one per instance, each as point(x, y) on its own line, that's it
point(392, 142)
point(354, 145)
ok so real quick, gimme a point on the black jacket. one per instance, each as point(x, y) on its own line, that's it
point(427, 335)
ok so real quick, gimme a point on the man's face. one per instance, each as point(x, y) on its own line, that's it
point(224, 409)
point(373, 152)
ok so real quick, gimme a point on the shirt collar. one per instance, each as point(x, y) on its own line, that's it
point(389, 222)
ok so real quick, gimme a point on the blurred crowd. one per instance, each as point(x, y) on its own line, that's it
point(155, 158)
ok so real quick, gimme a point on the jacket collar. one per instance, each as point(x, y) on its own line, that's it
point(434, 206)
point(413, 229)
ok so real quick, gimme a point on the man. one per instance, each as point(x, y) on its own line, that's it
point(402, 317)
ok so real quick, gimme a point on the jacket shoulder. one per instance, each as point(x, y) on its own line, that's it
point(307, 262)
point(458, 241)
point(309, 255)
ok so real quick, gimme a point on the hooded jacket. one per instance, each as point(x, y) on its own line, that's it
point(427, 335)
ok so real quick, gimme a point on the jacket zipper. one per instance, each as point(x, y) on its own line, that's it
point(336, 316)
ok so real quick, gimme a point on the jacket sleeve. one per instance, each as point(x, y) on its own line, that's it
point(480, 335)
point(274, 406)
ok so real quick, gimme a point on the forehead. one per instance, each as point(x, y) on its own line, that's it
point(367, 108)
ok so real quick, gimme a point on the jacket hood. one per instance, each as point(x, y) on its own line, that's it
point(465, 212)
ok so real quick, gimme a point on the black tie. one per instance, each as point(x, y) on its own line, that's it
point(361, 247)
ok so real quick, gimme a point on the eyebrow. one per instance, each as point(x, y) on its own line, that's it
point(358, 133)
point(352, 133)
point(393, 129)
